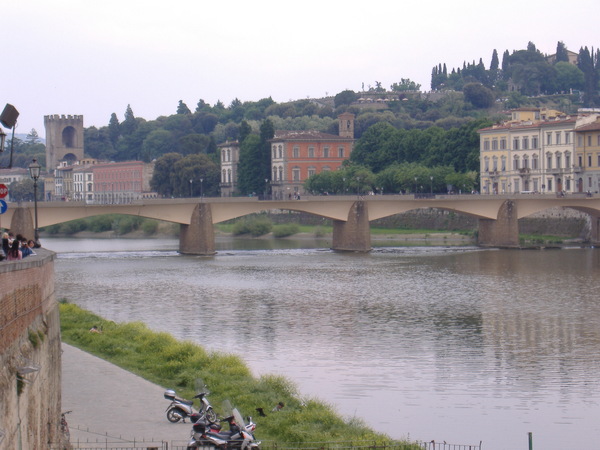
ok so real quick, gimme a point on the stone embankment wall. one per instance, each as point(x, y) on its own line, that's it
point(555, 222)
point(30, 354)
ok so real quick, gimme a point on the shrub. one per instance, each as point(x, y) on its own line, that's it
point(255, 226)
point(150, 227)
point(286, 229)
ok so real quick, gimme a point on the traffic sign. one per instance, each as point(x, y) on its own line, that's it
point(3, 206)
point(3, 190)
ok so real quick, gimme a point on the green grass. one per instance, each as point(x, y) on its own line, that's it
point(173, 364)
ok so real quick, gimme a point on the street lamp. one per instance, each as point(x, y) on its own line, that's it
point(266, 187)
point(416, 184)
point(34, 172)
point(431, 185)
point(358, 186)
point(201, 192)
point(191, 183)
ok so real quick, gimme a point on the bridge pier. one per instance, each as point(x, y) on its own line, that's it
point(354, 235)
point(198, 238)
point(22, 222)
point(594, 229)
point(502, 232)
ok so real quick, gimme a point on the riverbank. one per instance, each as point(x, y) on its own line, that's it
point(164, 361)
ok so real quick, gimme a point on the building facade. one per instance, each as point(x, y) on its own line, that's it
point(123, 182)
point(297, 155)
point(230, 158)
point(534, 151)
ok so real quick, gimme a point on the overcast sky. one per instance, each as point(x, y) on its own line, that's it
point(96, 57)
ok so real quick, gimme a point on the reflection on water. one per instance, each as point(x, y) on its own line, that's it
point(455, 344)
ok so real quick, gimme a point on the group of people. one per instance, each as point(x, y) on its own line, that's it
point(16, 247)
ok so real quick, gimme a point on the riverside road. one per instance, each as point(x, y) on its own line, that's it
point(110, 404)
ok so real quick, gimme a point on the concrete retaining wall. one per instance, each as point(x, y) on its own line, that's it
point(30, 349)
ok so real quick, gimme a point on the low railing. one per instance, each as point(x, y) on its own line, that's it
point(112, 444)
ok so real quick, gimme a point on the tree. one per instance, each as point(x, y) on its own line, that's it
point(568, 77)
point(406, 84)
point(561, 53)
point(244, 130)
point(346, 97)
point(129, 125)
point(164, 174)
point(494, 64)
point(182, 108)
point(114, 129)
point(250, 175)
point(156, 144)
point(478, 95)
point(33, 137)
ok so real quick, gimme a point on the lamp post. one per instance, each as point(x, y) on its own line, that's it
point(201, 191)
point(191, 183)
point(266, 187)
point(431, 185)
point(358, 186)
point(343, 185)
point(34, 172)
point(416, 184)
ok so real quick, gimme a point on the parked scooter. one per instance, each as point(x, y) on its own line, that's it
point(181, 409)
point(239, 437)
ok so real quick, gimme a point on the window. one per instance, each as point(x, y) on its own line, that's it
point(516, 164)
point(567, 137)
point(589, 160)
point(516, 143)
point(503, 144)
point(280, 150)
point(548, 138)
point(567, 160)
point(341, 152)
point(495, 164)
point(534, 142)
point(281, 174)
point(325, 152)
point(296, 174)
point(579, 141)
point(598, 137)
point(598, 160)
point(557, 138)
point(503, 162)
point(525, 142)
point(486, 144)
point(558, 161)
point(495, 144)
point(525, 162)
point(549, 161)
point(311, 171)
point(296, 152)
point(274, 176)
point(580, 159)
point(589, 141)
point(311, 152)
point(486, 165)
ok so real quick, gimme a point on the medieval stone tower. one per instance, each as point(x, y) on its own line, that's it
point(64, 139)
point(346, 125)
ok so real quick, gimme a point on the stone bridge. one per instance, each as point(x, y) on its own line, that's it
point(498, 215)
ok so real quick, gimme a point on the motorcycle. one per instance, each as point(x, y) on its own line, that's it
point(239, 437)
point(181, 409)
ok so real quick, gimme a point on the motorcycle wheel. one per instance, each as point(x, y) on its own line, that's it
point(211, 415)
point(174, 415)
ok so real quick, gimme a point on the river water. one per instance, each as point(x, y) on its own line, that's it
point(453, 344)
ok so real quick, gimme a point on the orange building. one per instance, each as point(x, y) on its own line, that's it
point(296, 155)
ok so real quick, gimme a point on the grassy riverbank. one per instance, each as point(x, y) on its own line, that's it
point(161, 359)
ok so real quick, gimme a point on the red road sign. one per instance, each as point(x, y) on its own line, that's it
point(3, 191)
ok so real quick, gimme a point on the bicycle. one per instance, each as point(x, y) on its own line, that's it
point(64, 426)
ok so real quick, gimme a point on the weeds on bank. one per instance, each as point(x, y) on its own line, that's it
point(174, 364)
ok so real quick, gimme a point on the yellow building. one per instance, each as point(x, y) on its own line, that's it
point(587, 157)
